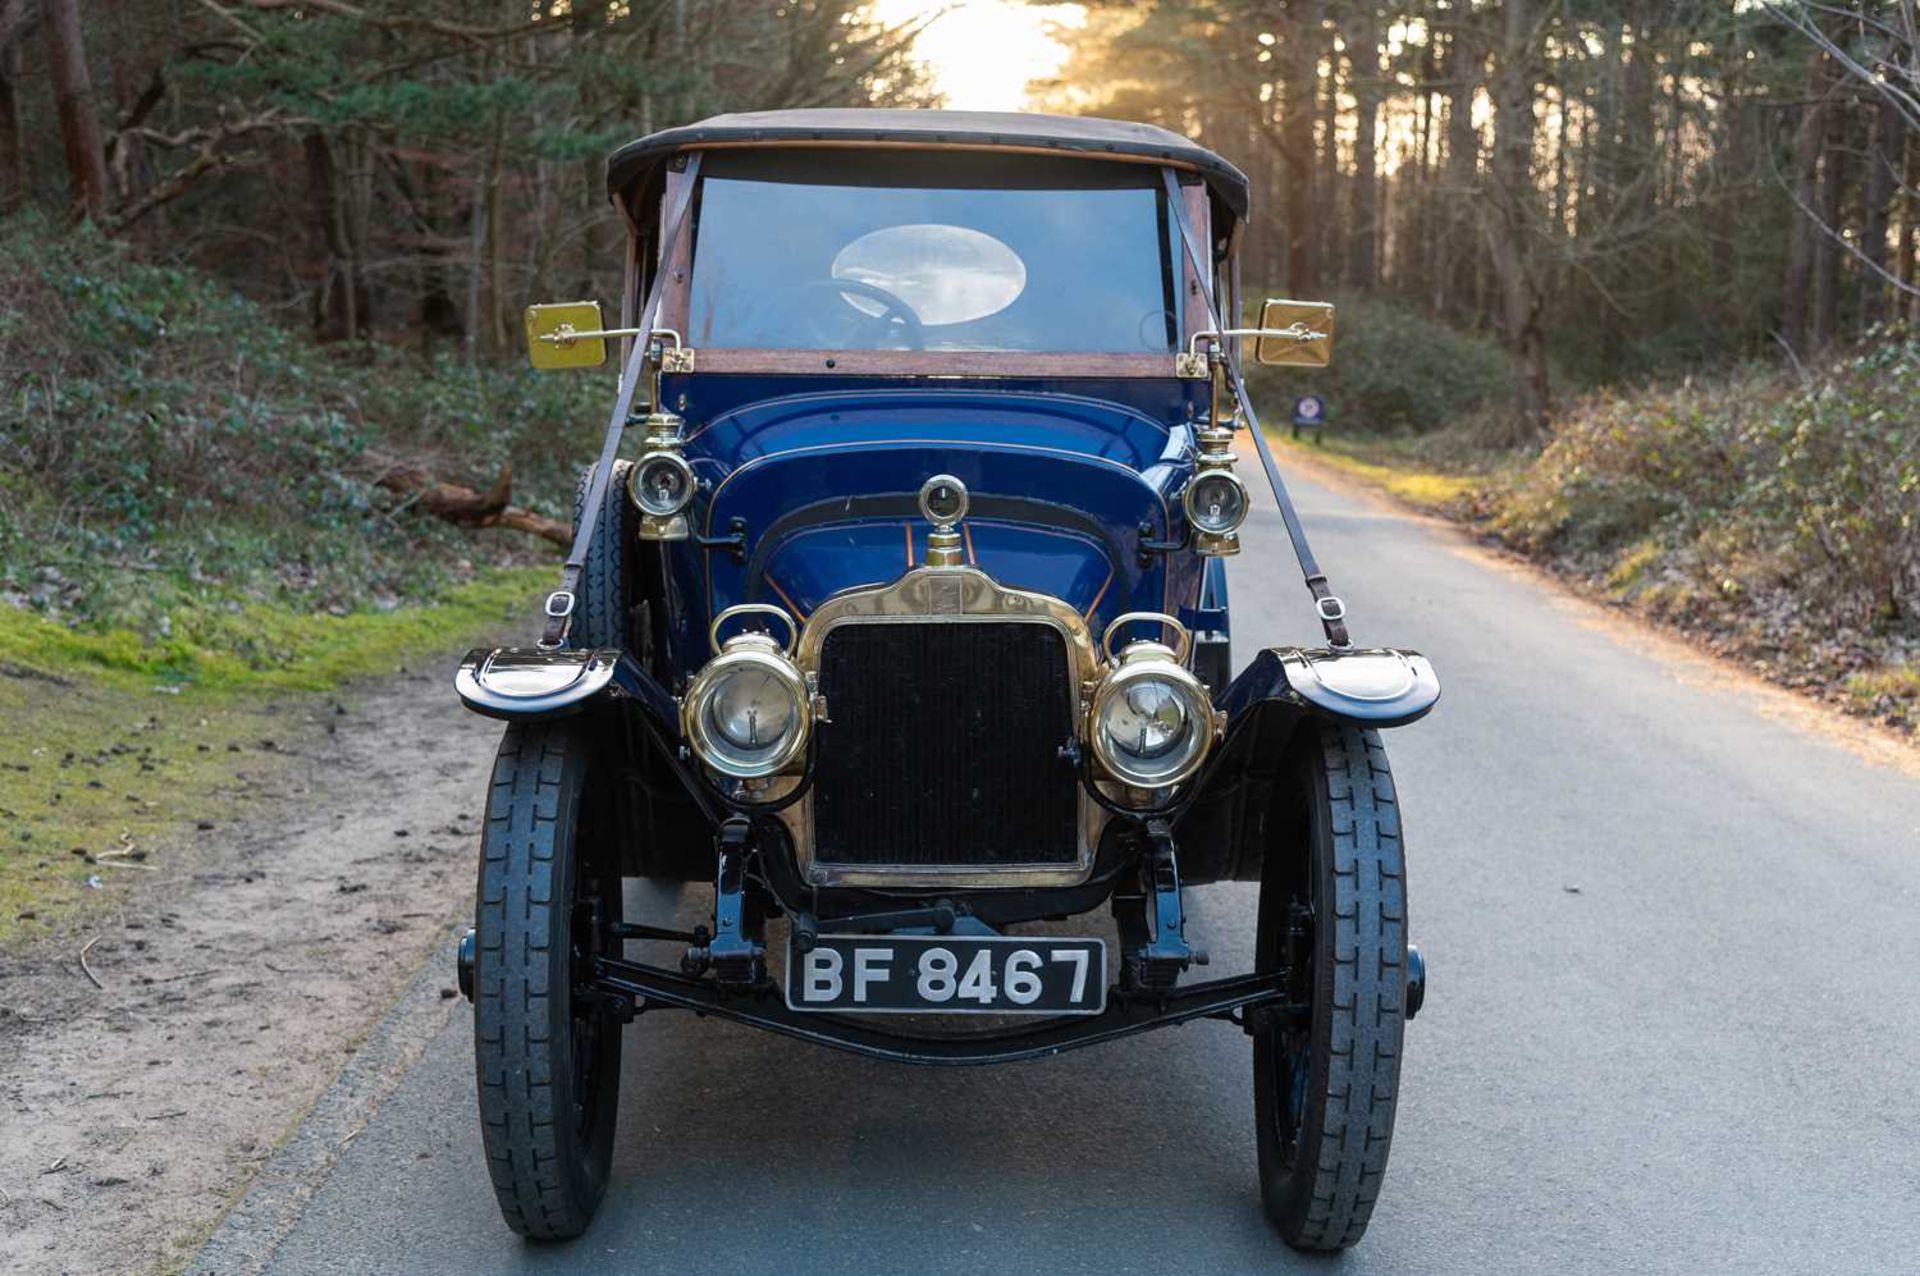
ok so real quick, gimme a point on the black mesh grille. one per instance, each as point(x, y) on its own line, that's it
point(944, 746)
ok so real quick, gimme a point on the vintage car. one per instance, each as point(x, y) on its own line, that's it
point(897, 613)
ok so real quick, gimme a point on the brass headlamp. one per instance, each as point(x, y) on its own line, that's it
point(748, 712)
point(1151, 724)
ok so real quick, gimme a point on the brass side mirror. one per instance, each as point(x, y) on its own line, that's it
point(1295, 334)
point(566, 334)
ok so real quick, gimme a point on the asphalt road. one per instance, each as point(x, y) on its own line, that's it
point(1670, 1026)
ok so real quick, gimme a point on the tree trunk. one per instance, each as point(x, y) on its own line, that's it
point(1303, 274)
point(357, 226)
point(1807, 142)
point(1561, 169)
point(333, 299)
point(328, 322)
point(1329, 227)
point(1907, 269)
point(1463, 171)
point(1633, 172)
point(1883, 153)
point(1364, 52)
point(128, 166)
point(73, 100)
point(496, 244)
point(1511, 222)
point(1826, 250)
point(1412, 268)
point(476, 246)
point(13, 157)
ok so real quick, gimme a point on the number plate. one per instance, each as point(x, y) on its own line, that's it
point(949, 974)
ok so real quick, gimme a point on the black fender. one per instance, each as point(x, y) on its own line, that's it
point(1371, 687)
point(523, 684)
point(667, 820)
point(1222, 832)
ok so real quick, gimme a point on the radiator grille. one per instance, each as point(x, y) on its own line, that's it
point(944, 746)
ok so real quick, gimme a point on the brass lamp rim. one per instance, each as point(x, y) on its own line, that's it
point(745, 651)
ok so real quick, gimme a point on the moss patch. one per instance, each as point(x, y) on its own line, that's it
point(1404, 476)
point(257, 646)
point(115, 752)
point(1891, 692)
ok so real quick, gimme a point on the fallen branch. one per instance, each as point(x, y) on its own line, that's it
point(211, 157)
point(173, 188)
point(88, 970)
point(464, 507)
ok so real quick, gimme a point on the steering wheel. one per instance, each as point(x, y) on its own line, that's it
point(1153, 328)
point(897, 314)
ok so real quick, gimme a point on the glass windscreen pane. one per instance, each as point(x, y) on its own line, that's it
point(888, 252)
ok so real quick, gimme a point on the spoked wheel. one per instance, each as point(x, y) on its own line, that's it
point(546, 1053)
point(1333, 913)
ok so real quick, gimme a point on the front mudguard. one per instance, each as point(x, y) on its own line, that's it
point(635, 719)
point(524, 684)
point(1372, 687)
point(1222, 833)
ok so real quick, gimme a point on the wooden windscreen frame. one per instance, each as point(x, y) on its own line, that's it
point(922, 363)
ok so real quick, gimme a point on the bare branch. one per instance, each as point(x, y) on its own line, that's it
point(1792, 13)
point(1839, 237)
point(401, 22)
point(14, 16)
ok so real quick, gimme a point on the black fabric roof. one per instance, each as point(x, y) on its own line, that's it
point(633, 164)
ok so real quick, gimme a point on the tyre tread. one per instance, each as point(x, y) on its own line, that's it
point(1369, 914)
point(514, 1049)
point(601, 609)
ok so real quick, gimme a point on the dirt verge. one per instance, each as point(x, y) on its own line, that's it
point(233, 990)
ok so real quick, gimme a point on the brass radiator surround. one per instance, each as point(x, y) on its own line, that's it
point(959, 596)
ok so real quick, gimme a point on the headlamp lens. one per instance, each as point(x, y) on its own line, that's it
point(1146, 720)
point(752, 710)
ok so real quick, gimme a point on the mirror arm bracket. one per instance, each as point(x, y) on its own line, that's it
point(735, 540)
point(1149, 546)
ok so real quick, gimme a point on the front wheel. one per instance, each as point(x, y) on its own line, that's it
point(548, 1059)
point(601, 607)
point(1333, 915)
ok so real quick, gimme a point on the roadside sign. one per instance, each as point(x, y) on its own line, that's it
point(1310, 411)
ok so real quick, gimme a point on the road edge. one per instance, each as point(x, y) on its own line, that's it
point(246, 1237)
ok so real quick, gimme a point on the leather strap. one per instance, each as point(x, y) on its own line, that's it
point(1326, 603)
point(561, 602)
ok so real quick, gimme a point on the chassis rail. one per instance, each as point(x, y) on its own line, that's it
point(1126, 1014)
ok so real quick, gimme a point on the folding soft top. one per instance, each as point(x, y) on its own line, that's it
point(633, 165)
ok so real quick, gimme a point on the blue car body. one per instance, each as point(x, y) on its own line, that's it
point(805, 468)
point(1066, 478)
point(897, 612)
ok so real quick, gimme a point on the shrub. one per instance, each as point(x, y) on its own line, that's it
point(1780, 516)
point(1394, 370)
point(1847, 481)
point(1755, 481)
point(163, 443)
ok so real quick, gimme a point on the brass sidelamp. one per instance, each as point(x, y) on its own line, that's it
point(1215, 499)
point(661, 483)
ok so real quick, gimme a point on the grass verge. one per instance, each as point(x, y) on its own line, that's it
point(1397, 471)
point(115, 749)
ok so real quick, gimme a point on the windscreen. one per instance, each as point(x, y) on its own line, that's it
point(892, 250)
